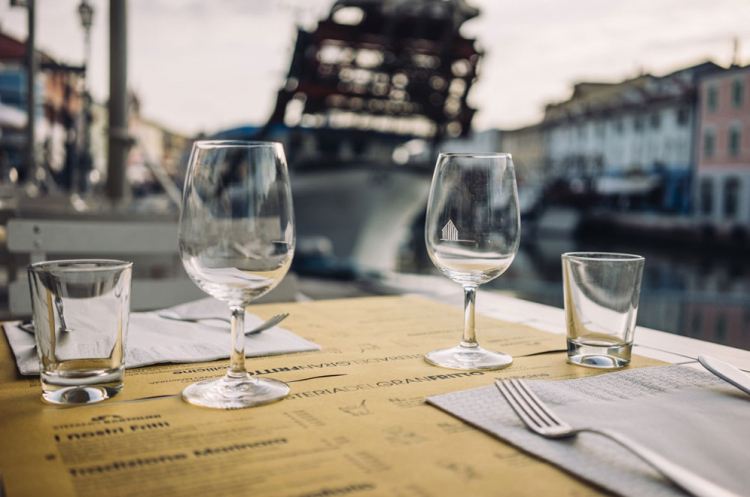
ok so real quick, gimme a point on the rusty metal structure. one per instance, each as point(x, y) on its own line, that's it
point(379, 71)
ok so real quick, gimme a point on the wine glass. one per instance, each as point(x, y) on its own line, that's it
point(236, 243)
point(472, 232)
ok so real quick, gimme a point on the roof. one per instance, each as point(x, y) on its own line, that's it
point(726, 74)
point(603, 97)
point(13, 50)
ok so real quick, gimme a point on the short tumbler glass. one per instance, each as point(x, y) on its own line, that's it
point(81, 310)
point(601, 305)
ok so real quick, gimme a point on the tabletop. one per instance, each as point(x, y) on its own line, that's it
point(655, 344)
point(355, 423)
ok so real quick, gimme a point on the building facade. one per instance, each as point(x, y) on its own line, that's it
point(58, 112)
point(629, 144)
point(722, 189)
point(66, 152)
point(154, 147)
point(526, 145)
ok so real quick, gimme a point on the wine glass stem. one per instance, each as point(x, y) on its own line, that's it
point(470, 295)
point(237, 360)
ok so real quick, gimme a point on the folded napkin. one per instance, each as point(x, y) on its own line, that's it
point(152, 339)
point(690, 417)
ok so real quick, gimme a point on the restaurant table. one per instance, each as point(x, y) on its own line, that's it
point(356, 422)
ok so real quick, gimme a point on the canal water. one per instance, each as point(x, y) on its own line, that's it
point(686, 290)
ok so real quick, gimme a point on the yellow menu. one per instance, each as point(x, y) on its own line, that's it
point(355, 423)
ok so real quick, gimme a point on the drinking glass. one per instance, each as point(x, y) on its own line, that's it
point(601, 292)
point(237, 243)
point(81, 310)
point(472, 233)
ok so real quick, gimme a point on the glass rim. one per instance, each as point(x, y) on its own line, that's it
point(76, 265)
point(235, 143)
point(478, 155)
point(603, 256)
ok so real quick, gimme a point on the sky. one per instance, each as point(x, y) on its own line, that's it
point(208, 65)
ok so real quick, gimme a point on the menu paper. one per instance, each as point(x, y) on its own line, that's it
point(355, 423)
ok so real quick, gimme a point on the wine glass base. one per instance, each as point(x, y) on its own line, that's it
point(468, 358)
point(231, 393)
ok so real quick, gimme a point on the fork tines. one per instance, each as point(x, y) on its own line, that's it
point(279, 318)
point(532, 411)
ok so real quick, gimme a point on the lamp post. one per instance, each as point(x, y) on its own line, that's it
point(32, 67)
point(119, 138)
point(86, 13)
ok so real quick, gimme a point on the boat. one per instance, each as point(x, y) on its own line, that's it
point(369, 96)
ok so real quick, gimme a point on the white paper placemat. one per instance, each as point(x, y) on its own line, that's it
point(153, 340)
point(688, 416)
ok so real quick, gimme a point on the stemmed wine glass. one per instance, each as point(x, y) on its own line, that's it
point(472, 233)
point(236, 243)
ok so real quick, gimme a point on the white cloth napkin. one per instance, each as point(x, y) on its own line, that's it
point(688, 416)
point(152, 339)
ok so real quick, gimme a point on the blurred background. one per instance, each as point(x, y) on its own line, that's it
point(629, 125)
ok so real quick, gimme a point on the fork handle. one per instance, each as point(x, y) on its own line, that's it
point(683, 478)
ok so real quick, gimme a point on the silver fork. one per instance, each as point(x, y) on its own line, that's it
point(268, 324)
point(542, 421)
point(262, 327)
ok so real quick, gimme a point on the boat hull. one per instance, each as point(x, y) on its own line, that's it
point(367, 214)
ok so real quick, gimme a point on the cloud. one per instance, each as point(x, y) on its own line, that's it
point(538, 48)
point(207, 65)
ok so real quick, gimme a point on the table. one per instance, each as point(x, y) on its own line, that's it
point(355, 422)
point(655, 344)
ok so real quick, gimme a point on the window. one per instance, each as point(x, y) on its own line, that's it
point(721, 329)
point(638, 124)
point(737, 91)
point(696, 325)
point(708, 143)
point(707, 195)
point(655, 121)
point(712, 98)
point(683, 116)
point(618, 126)
point(731, 196)
point(600, 128)
point(13, 87)
point(734, 141)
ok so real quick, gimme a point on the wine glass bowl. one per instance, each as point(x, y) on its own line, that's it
point(237, 243)
point(472, 232)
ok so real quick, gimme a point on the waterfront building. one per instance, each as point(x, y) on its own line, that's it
point(58, 112)
point(722, 191)
point(154, 146)
point(527, 147)
point(60, 129)
point(627, 144)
